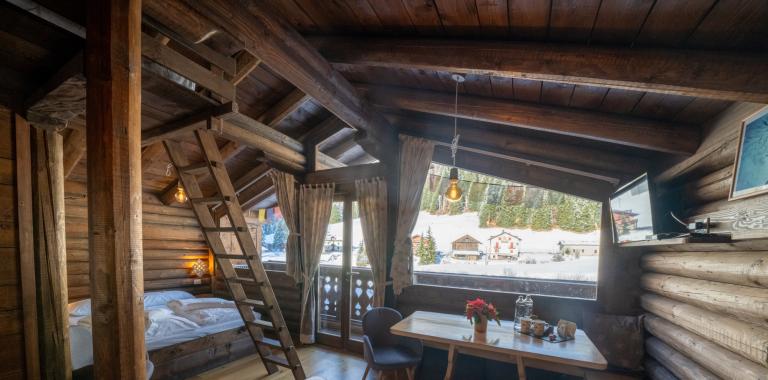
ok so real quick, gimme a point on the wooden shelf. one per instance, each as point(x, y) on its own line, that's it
point(677, 241)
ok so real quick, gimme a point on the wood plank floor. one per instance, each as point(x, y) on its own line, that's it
point(329, 363)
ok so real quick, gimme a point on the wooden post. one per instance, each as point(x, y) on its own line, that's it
point(52, 255)
point(113, 70)
point(27, 245)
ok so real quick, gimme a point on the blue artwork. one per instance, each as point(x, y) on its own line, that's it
point(752, 169)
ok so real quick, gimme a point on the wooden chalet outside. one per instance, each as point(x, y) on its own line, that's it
point(139, 138)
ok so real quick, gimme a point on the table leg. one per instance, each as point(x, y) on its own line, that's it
point(451, 362)
point(520, 368)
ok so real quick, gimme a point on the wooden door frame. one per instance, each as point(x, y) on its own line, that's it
point(343, 340)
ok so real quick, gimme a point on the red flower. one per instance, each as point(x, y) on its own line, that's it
point(477, 308)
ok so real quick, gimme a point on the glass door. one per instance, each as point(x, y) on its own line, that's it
point(345, 283)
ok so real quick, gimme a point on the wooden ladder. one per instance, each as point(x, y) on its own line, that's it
point(256, 276)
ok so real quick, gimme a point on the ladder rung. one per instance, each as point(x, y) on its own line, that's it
point(237, 257)
point(244, 280)
point(224, 229)
point(264, 325)
point(272, 343)
point(211, 200)
point(256, 304)
point(281, 361)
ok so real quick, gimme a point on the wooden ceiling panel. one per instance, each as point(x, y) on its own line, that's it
point(556, 94)
point(619, 21)
point(459, 17)
point(331, 16)
point(588, 97)
point(493, 17)
point(671, 22)
point(294, 15)
point(528, 19)
point(661, 106)
point(527, 90)
point(424, 17)
point(503, 87)
point(700, 110)
point(392, 16)
point(620, 101)
point(572, 20)
point(733, 24)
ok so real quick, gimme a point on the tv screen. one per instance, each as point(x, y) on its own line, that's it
point(631, 211)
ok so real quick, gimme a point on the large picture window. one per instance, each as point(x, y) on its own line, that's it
point(506, 236)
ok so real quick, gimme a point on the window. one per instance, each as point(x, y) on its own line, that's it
point(506, 236)
point(274, 235)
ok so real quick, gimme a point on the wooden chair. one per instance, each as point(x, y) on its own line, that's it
point(385, 351)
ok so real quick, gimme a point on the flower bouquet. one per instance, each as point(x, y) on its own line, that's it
point(479, 312)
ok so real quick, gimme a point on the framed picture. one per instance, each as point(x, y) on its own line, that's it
point(751, 172)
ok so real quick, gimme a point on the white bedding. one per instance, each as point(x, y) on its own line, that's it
point(164, 328)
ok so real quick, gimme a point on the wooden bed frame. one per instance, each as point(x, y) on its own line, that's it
point(183, 360)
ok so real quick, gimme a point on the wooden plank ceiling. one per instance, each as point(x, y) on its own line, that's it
point(411, 94)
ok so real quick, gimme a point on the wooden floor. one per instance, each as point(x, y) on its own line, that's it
point(328, 363)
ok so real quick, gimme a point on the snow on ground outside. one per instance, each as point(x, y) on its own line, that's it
point(534, 244)
point(447, 228)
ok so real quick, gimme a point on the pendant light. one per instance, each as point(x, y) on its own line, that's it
point(181, 195)
point(453, 193)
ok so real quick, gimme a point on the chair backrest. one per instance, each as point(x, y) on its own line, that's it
point(376, 324)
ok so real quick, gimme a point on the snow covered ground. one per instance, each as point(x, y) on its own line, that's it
point(447, 228)
point(539, 245)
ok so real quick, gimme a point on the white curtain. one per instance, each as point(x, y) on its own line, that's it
point(285, 187)
point(372, 200)
point(415, 158)
point(316, 202)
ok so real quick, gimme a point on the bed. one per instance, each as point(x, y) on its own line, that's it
point(184, 335)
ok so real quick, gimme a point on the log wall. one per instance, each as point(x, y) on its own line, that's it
point(173, 242)
point(12, 361)
point(707, 304)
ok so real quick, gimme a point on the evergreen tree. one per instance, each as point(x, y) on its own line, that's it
point(427, 249)
point(336, 215)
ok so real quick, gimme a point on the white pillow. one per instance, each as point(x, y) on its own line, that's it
point(161, 298)
point(83, 307)
point(80, 308)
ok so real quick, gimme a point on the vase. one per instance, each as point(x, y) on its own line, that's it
point(481, 324)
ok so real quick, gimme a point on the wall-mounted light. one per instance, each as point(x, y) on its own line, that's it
point(180, 195)
point(200, 268)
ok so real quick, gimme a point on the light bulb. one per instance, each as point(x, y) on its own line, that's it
point(453, 193)
point(181, 195)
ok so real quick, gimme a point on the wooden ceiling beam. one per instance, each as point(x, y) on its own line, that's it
point(284, 108)
point(265, 35)
point(154, 50)
point(245, 63)
point(736, 76)
point(186, 124)
point(491, 138)
point(629, 131)
point(535, 176)
point(225, 63)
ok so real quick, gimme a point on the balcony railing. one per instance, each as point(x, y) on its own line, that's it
point(330, 298)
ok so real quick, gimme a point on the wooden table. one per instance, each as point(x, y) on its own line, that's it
point(454, 333)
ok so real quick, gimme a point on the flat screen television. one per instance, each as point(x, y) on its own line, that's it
point(632, 211)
